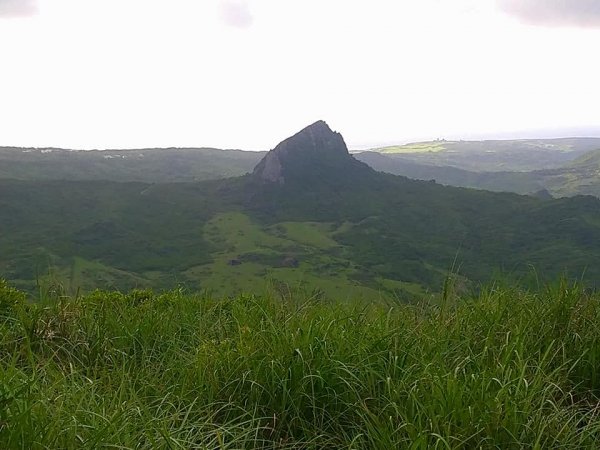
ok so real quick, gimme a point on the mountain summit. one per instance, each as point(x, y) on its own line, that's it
point(315, 150)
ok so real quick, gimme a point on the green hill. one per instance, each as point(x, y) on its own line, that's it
point(518, 182)
point(520, 155)
point(310, 215)
point(579, 176)
point(144, 165)
point(560, 166)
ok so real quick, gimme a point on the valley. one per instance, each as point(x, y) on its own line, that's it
point(309, 215)
point(556, 167)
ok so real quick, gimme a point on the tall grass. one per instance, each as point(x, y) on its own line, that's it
point(505, 369)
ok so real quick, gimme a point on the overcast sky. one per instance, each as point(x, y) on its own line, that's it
point(247, 73)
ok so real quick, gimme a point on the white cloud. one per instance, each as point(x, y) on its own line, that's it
point(235, 13)
point(140, 73)
point(578, 13)
point(17, 8)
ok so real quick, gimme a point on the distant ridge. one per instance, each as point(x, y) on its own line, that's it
point(151, 165)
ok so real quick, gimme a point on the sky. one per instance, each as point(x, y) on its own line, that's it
point(87, 74)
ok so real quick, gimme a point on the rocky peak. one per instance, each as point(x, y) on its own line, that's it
point(313, 146)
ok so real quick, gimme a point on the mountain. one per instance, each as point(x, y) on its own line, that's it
point(394, 228)
point(312, 155)
point(559, 166)
point(309, 215)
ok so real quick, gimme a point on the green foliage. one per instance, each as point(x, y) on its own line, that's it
point(104, 234)
point(356, 234)
point(505, 369)
point(334, 225)
point(10, 297)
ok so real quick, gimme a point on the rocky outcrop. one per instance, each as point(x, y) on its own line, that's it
point(311, 146)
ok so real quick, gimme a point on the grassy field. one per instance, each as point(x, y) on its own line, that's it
point(504, 369)
point(521, 155)
point(266, 259)
point(417, 147)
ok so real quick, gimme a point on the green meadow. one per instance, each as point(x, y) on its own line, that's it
point(505, 368)
point(417, 147)
point(255, 258)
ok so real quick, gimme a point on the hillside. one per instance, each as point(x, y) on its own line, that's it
point(144, 165)
point(323, 221)
point(579, 176)
point(518, 182)
point(560, 166)
point(521, 155)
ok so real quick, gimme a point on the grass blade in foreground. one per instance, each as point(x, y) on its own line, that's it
point(508, 369)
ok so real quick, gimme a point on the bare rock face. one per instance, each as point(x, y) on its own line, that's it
point(302, 152)
point(271, 169)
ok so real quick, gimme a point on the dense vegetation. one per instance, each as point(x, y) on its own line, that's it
point(309, 215)
point(503, 369)
point(385, 233)
point(125, 235)
point(563, 167)
point(145, 165)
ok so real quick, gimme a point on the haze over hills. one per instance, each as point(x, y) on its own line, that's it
point(520, 155)
point(562, 167)
point(518, 182)
point(145, 165)
point(310, 215)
